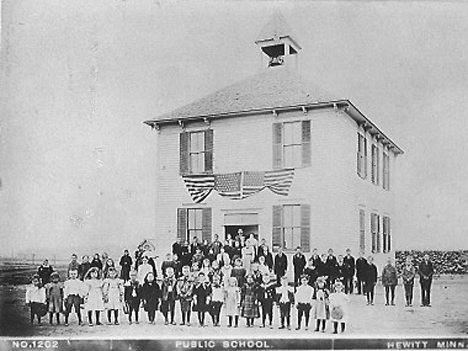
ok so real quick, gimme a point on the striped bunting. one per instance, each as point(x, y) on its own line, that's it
point(238, 185)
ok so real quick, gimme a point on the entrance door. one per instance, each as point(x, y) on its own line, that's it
point(246, 229)
point(247, 221)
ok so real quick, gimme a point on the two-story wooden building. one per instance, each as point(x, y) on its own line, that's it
point(278, 157)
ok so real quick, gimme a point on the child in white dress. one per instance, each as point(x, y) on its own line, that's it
point(112, 290)
point(93, 295)
point(339, 302)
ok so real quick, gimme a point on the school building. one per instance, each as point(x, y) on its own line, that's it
point(276, 156)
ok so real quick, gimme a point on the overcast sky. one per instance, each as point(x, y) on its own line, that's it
point(77, 165)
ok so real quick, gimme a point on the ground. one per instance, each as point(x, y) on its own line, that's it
point(447, 317)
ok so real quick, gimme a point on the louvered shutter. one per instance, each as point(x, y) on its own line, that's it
point(184, 153)
point(277, 226)
point(277, 145)
point(362, 230)
point(389, 236)
point(373, 232)
point(364, 158)
point(305, 227)
point(206, 223)
point(182, 224)
point(209, 151)
point(377, 230)
point(306, 145)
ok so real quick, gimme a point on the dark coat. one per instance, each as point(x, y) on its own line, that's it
point(361, 267)
point(299, 262)
point(132, 288)
point(281, 264)
point(151, 294)
point(370, 274)
point(202, 292)
point(350, 266)
point(44, 273)
point(425, 271)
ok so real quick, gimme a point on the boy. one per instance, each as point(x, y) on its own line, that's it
point(132, 296)
point(168, 295)
point(73, 265)
point(35, 298)
point(84, 267)
point(285, 300)
point(266, 296)
point(184, 292)
point(73, 292)
point(304, 296)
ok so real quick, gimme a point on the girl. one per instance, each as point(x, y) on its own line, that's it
point(239, 272)
point(408, 275)
point(93, 295)
point(339, 307)
point(226, 271)
point(232, 301)
point(249, 301)
point(54, 296)
point(169, 295)
point(285, 298)
point(184, 293)
point(304, 296)
point(248, 254)
point(214, 270)
point(194, 271)
point(206, 267)
point(96, 262)
point(151, 294)
point(112, 290)
point(143, 269)
point(216, 299)
point(132, 296)
point(108, 263)
point(266, 296)
point(262, 267)
point(201, 293)
point(36, 298)
point(321, 295)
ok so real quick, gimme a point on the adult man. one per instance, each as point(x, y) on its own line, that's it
point(349, 272)
point(330, 266)
point(177, 247)
point(361, 266)
point(216, 245)
point(280, 265)
point(299, 262)
point(426, 271)
point(126, 264)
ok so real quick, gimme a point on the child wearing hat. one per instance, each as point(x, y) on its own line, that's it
point(339, 302)
point(54, 296)
point(73, 291)
point(36, 298)
point(304, 296)
point(285, 298)
point(321, 298)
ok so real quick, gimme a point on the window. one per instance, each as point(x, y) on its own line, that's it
point(194, 222)
point(291, 144)
point(375, 164)
point(196, 152)
point(362, 230)
point(291, 226)
point(375, 230)
point(362, 156)
point(387, 246)
point(386, 172)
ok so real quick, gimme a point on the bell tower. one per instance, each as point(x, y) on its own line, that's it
point(278, 46)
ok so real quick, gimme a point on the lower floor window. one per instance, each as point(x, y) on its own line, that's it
point(291, 226)
point(194, 222)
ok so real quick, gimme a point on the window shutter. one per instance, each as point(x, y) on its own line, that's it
point(277, 145)
point(373, 232)
point(305, 227)
point(377, 230)
point(384, 241)
point(364, 152)
point(206, 223)
point(277, 226)
point(182, 224)
point(184, 153)
point(362, 230)
point(389, 237)
point(306, 147)
point(209, 150)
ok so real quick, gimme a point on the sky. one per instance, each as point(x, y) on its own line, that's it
point(77, 165)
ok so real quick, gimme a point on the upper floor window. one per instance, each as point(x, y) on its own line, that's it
point(362, 156)
point(362, 230)
point(196, 152)
point(291, 144)
point(386, 171)
point(375, 164)
point(387, 239)
point(375, 231)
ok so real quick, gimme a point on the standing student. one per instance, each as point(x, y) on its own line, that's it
point(285, 298)
point(132, 296)
point(217, 297)
point(262, 267)
point(93, 295)
point(201, 293)
point(426, 271)
point(249, 302)
point(350, 269)
point(232, 300)
point(185, 294)
point(108, 264)
point(151, 294)
point(299, 263)
point(168, 262)
point(321, 301)
point(408, 275)
point(54, 296)
point(113, 290)
point(311, 272)
point(73, 292)
point(143, 269)
point(266, 297)
point(280, 265)
point(239, 272)
point(84, 267)
point(223, 257)
point(370, 279)
point(96, 262)
point(225, 272)
point(389, 281)
point(361, 267)
point(36, 298)
point(339, 302)
point(169, 293)
point(126, 265)
point(216, 245)
point(304, 297)
point(73, 265)
point(248, 255)
point(44, 271)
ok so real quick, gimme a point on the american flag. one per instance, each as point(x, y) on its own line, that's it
point(253, 183)
point(279, 181)
point(229, 185)
point(199, 186)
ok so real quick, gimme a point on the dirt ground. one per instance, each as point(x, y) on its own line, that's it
point(447, 317)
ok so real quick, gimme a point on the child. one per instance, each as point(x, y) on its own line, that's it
point(249, 301)
point(216, 299)
point(304, 295)
point(36, 298)
point(226, 271)
point(239, 272)
point(339, 307)
point(215, 270)
point(84, 267)
point(201, 293)
point(108, 264)
point(266, 296)
point(73, 292)
point(370, 279)
point(321, 295)
point(112, 290)
point(194, 271)
point(169, 295)
point(206, 267)
point(93, 295)
point(143, 269)
point(54, 296)
point(151, 293)
point(232, 298)
point(184, 292)
point(408, 275)
point(285, 298)
point(132, 296)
